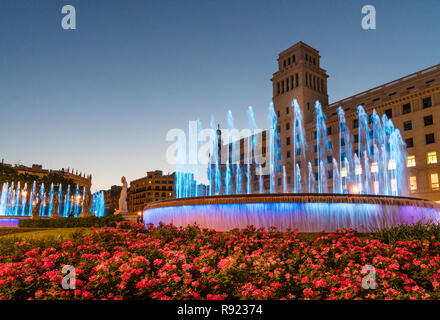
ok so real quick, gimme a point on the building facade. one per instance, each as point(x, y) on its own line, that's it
point(37, 170)
point(111, 199)
point(154, 186)
point(411, 102)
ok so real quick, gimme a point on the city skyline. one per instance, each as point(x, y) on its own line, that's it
point(100, 100)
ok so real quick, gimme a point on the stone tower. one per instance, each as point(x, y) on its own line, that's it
point(300, 77)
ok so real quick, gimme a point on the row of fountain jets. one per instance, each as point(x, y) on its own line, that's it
point(17, 201)
point(376, 167)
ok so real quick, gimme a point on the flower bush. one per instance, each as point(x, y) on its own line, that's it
point(165, 262)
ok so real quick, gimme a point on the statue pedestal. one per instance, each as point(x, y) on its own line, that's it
point(85, 214)
point(131, 218)
point(122, 213)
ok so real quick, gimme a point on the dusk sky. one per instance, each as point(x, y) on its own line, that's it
point(101, 98)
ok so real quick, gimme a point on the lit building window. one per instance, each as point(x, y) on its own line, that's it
point(393, 185)
point(376, 186)
point(391, 165)
point(431, 157)
point(411, 161)
point(358, 170)
point(434, 181)
point(413, 183)
point(343, 172)
point(356, 188)
point(374, 167)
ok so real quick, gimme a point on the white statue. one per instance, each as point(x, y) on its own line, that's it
point(123, 209)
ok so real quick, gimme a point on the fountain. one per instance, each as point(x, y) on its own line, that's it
point(363, 188)
point(16, 203)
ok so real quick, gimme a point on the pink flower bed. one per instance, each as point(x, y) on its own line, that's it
point(128, 262)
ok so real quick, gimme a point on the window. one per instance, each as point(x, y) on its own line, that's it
point(431, 157)
point(374, 167)
point(428, 120)
point(407, 125)
point(342, 142)
point(376, 186)
point(329, 131)
point(288, 154)
point(343, 172)
point(413, 183)
point(355, 123)
point(329, 159)
point(429, 138)
point(427, 102)
point(288, 141)
point(406, 108)
point(434, 181)
point(329, 145)
point(287, 110)
point(411, 161)
point(342, 127)
point(356, 138)
point(389, 113)
point(288, 126)
point(409, 142)
point(358, 170)
point(391, 164)
point(315, 148)
point(393, 183)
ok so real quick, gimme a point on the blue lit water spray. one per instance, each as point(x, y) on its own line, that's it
point(273, 146)
point(299, 145)
point(377, 166)
point(17, 199)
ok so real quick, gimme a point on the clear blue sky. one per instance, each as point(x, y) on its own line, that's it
point(101, 98)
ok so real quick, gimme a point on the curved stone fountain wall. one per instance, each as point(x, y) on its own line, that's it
point(299, 212)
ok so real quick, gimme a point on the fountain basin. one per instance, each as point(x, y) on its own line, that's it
point(300, 212)
point(11, 221)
